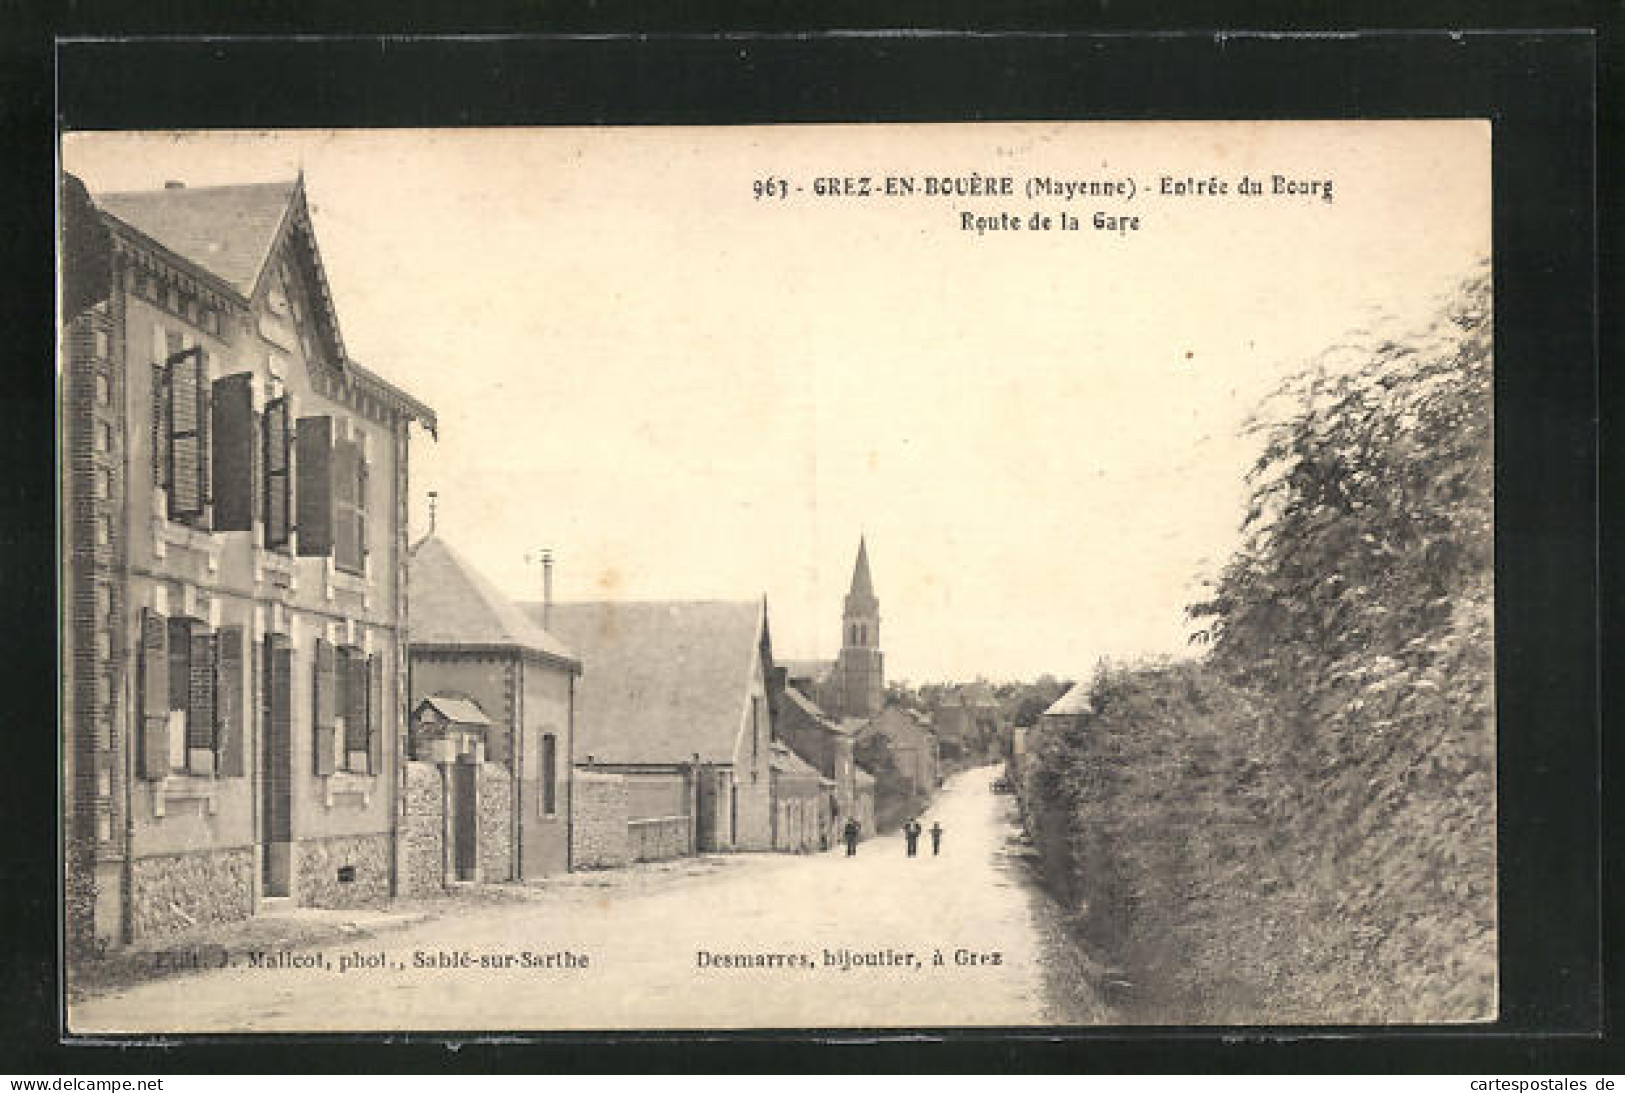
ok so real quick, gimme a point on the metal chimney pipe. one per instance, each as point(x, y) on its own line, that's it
point(547, 588)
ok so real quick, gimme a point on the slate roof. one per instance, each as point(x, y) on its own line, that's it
point(814, 711)
point(451, 604)
point(1074, 702)
point(786, 761)
point(227, 230)
point(457, 708)
point(661, 681)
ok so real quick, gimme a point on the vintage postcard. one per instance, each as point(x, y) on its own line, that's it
point(787, 577)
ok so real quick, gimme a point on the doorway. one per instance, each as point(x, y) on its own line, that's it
point(276, 768)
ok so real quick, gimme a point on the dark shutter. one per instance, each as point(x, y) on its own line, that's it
point(346, 536)
point(325, 678)
point(375, 714)
point(232, 449)
point(279, 731)
point(200, 693)
point(278, 460)
point(314, 496)
point(355, 702)
point(186, 434)
point(160, 425)
point(154, 752)
point(229, 686)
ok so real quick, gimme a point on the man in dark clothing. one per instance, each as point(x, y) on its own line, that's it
point(850, 832)
point(911, 832)
point(936, 839)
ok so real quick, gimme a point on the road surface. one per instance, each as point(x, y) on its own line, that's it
point(879, 940)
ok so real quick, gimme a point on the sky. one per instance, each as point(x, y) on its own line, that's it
point(685, 391)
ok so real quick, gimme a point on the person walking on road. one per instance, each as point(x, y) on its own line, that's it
point(850, 833)
point(936, 838)
point(911, 833)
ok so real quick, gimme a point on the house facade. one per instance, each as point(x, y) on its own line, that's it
point(234, 593)
point(673, 726)
point(826, 744)
point(505, 790)
point(912, 744)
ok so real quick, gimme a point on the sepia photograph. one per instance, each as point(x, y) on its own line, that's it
point(977, 575)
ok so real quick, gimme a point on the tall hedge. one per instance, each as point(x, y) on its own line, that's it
point(1300, 825)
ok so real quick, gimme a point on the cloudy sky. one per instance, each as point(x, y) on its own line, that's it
point(687, 392)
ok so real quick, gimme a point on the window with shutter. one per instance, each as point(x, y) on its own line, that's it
point(188, 434)
point(353, 665)
point(160, 425)
point(314, 496)
point(154, 752)
point(232, 452)
point(278, 461)
point(325, 734)
point(229, 689)
point(375, 714)
point(347, 544)
point(200, 705)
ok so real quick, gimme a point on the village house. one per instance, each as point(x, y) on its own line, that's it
point(826, 745)
point(673, 727)
point(234, 521)
point(492, 700)
point(912, 744)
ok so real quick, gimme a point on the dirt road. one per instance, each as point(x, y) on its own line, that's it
point(761, 941)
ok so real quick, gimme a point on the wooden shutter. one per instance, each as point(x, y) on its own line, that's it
point(160, 425)
point(346, 536)
point(278, 440)
point(324, 734)
point(187, 466)
point(231, 446)
point(314, 495)
point(375, 714)
point(361, 482)
point(355, 701)
point(229, 687)
point(154, 753)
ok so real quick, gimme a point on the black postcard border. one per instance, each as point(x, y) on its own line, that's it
point(1538, 87)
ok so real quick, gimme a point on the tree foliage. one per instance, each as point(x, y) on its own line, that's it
point(1302, 824)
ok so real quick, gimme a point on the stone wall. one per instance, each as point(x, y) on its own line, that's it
point(798, 823)
point(319, 862)
point(660, 839)
point(599, 835)
point(184, 890)
point(496, 823)
point(422, 863)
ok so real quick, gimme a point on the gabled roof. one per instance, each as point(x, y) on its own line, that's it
point(814, 711)
point(1074, 702)
point(227, 230)
point(786, 761)
point(230, 233)
point(451, 605)
point(456, 708)
point(662, 681)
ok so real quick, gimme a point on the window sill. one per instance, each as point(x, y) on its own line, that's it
point(181, 786)
point(345, 783)
point(168, 533)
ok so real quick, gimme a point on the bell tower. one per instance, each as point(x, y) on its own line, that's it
point(860, 669)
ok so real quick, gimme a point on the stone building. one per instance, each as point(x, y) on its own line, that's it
point(234, 520)
point(912, 744)
point(826, 744)
point(673, 727)
point(476, 655)
point(803, 817)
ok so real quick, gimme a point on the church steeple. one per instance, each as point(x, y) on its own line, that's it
point(860, 669)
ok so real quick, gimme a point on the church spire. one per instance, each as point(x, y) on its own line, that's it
point(861, 584)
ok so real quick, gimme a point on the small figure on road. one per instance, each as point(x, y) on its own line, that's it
point(936, 839)
point(850, 833)
point(911, 832)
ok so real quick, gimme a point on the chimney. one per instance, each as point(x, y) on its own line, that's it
point(174, 184)
point(547, 588)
